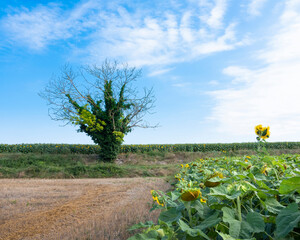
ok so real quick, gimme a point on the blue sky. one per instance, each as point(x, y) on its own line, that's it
point(218, 67)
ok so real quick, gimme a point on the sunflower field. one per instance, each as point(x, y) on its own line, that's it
point(250, 197)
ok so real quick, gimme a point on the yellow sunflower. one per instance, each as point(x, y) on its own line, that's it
point(262, 132)
point(157, 198)
point(265, 133)
point(258, 129)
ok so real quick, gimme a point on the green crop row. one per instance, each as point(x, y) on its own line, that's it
point(50, 148)
point(225, 147)
point(95, 149)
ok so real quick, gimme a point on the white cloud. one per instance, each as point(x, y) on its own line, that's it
point(284, 46)
point(34, 29)
point(240, 74)
point(157, 72)
point(255, 7)
point(140, 37)
point(172, 38)
point(217, 13)
point(181, 85)
point(225, 42)
point(41, 26)
point(270, 94)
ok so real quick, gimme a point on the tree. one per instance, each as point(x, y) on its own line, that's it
point(102, 101)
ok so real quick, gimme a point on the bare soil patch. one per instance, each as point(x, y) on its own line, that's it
point(74, 208)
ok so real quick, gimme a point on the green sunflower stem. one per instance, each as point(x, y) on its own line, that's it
point(275, 171)
point(190, 217)
point(239, 209)
point(188, 208)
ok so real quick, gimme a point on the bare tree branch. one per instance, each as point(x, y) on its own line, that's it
point(87, 86)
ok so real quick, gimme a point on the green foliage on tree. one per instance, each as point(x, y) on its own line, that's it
point(101, 101)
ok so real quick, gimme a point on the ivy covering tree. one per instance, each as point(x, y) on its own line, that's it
point(101, 101)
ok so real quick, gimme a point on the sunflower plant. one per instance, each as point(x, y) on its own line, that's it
point(262, 133)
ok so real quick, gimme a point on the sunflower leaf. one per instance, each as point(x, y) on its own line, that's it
point(287, 219)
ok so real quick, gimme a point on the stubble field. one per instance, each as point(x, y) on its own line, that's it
point(74, 208)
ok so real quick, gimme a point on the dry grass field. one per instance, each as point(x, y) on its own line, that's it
point(74, 208)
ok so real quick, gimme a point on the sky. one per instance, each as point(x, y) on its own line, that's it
point(218, 67)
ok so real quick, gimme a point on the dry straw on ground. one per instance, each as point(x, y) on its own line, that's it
point(74, 209)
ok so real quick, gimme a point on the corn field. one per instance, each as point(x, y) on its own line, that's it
point(95, 149)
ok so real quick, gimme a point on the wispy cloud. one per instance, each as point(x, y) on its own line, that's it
point(255, 6)
point(43, 25)
point(240, 74)
point(157, 72)
point(270, 94)
point(181, 85)
point(170, 38)
point(214, 16)
point(284, 46)
point(144, 36)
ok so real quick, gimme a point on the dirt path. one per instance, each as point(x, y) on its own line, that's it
point(54, 209)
